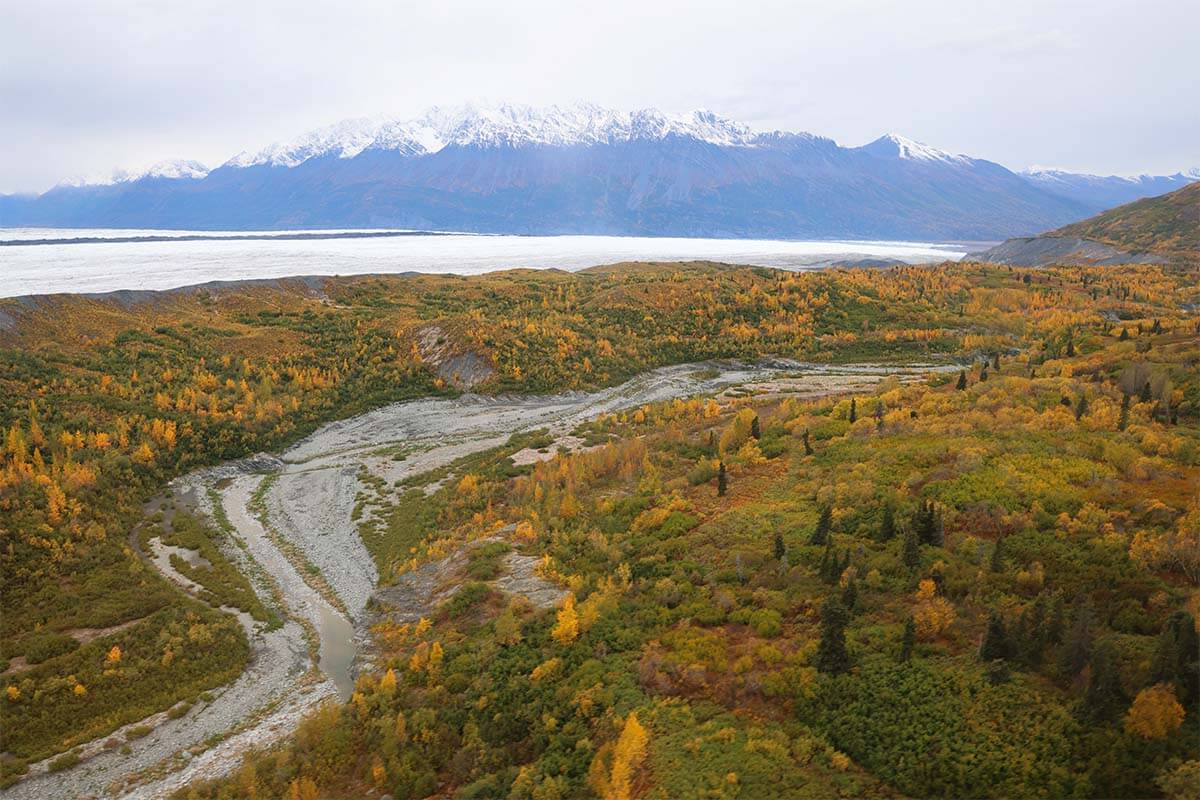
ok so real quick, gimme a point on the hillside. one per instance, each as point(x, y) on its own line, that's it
point(702, 617)
point(1169, 223)
point(1152, 230)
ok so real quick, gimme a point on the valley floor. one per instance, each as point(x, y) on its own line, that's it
point(307, 499)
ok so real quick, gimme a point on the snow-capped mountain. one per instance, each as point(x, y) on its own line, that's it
point(504, 125)
point(585, 169)
point(893, 145)
point(1107, 191)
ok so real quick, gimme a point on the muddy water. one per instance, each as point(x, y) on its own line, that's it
point(337, 650)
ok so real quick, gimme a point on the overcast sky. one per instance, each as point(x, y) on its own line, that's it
point(87, 86)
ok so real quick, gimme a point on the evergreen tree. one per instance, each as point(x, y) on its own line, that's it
point(850, 596)
point(997, 562)
point(996, 644)
point(1081, 407)
point(780, 550)
point(1070, 347)
point(983, 374)
point(887, 524)
point(929, 525)
point(910, 550)
point(1146, 393)
point(828, 563)
point(962, 380)
point(1123, 422)
point(937, 536)
point(820, 534)
point(853, 410)
point(1104, 699)
point(832, 657)
point(722, 480)
point(996, 362)
point(755, 430)
point(1031, 643)
point(1124, 337)
point(1177, 658)
point(1056, 623)
point(879, 411)
point(909, 640)
point(1077, 648)
point(808, 451)
point(997, 672)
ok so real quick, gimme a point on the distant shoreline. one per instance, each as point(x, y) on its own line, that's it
point(212, 237)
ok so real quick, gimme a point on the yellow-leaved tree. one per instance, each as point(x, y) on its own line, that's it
point(932, 613)
point(616, 782)
point(631, 749)
point(567, 627)
point(1155, 713)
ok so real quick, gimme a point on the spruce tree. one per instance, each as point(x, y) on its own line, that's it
point(1070, 347)
point(996, 644)
point(755, 430)
point(832, 657)
point(983, 374)
point(1123, 422)
point(1081, 407)
point(962, 380)
point(808, 451)
point(823, 567)
point(928, 522)
point(908, 640)
point(1031, 642)
point(1077, 647)
point(1177, 658)
point(887, 524)
point(1124, 337)
point(1056, 623)
point(1104, 699)
point(850, 596)
point(1146, 393)
point(722, 480)
point(937, 536)
point(996, 362)
point(820, 534)
point(853, 410)
point(997, 562)
point(780, 550)
point(910, 551)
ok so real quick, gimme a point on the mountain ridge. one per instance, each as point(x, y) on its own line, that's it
point(579, 169)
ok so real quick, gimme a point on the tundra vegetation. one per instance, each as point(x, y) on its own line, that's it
point(980, 583)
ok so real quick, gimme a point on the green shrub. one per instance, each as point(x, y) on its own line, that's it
point(65, 761)
point(766, 622)
point(45, 646)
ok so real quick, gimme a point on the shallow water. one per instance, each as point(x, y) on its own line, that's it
point(112, 265)
point(337, 650)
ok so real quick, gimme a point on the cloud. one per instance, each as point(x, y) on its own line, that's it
point(87, 86)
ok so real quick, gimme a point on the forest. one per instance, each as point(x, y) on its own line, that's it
point(980, 584)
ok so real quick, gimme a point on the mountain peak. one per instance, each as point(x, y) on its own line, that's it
point(892, 145)
point(488, 125)
point(172, 169)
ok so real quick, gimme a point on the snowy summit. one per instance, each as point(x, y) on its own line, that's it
point(502, 125)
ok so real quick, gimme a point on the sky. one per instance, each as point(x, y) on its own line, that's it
point(88, 86)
